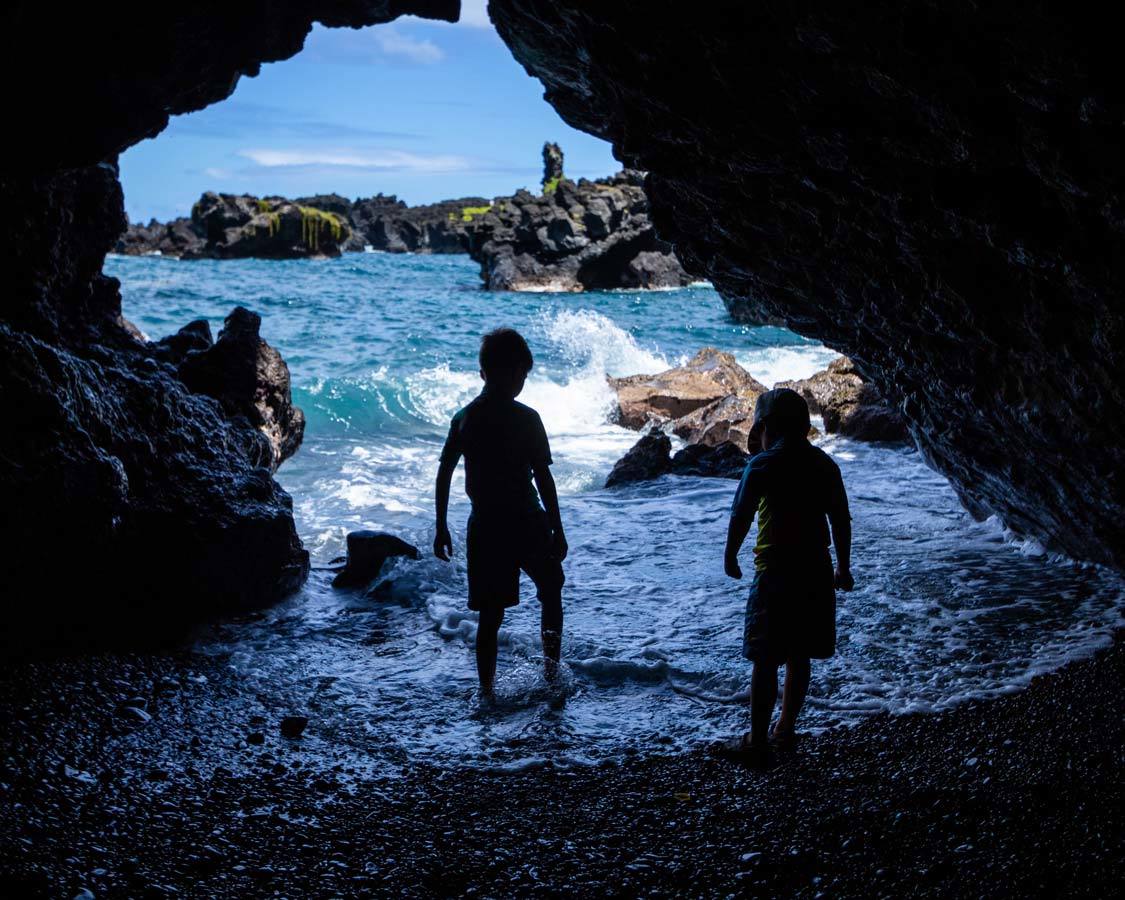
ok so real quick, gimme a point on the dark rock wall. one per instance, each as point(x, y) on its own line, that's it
point(934, 189)
point(131, 505)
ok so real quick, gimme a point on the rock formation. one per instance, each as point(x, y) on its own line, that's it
point(931, 189)
point(709, 377)
point(247, 376)
point(386, 223)
point(849, 405)
point(652, 457)
point(132, 504)
point(575, 236)
point(231, 226)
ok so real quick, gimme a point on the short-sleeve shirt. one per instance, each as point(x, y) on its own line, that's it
point(503, 442)
point(793, 487)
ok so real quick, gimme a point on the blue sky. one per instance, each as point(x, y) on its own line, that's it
point(420, 109)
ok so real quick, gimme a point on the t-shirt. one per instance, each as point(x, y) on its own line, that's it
point(792, 487)
point(503, 442)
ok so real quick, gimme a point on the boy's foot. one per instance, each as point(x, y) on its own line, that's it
point(783, 738)
point(742, 749)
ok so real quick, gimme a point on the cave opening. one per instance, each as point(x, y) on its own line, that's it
point(930, 190)
point(380, 344)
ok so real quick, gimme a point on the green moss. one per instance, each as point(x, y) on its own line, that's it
point(314, 221)
point(468, 212)
point(263, 205)
point(550, 186)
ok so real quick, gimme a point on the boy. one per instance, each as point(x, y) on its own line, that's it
point(791, 611)
point(505, 447)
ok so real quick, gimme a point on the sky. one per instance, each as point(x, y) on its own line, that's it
point(425, 110)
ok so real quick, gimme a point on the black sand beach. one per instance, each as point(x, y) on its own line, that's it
point(1018, 796)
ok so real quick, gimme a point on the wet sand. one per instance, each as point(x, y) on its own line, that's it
point(1017, 796)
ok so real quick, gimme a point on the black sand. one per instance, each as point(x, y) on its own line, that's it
point(1019, 796)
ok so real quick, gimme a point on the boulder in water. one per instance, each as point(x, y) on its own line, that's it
point(652, 457)
point(367, 552)
point(710, 376)
point(649, 458)
point(850, 405)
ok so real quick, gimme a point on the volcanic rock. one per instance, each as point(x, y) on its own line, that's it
point(849, 405)
point(652, 457)
point(250, 379)
point(933, 190)
point(726, 420)
point(388, 224)
point(367, 552)
point(649, 458)
point(710, 376)
point(575, 236)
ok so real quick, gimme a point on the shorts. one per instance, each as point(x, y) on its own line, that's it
point(497, 547)
point(791, 612)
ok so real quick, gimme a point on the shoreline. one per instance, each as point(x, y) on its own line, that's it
point(1016, 795)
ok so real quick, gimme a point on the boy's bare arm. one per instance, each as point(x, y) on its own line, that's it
point(549, 494)
point(737, 530)
point(443, 543)
point(842, 541)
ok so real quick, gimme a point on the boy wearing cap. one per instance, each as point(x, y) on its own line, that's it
point(797, 493)
point(505, 448)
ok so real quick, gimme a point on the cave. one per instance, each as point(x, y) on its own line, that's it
point(932, 190)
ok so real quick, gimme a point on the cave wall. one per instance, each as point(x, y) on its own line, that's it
point(132, 505)
point(932, 188)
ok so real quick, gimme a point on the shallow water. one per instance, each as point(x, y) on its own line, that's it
point(382, 352)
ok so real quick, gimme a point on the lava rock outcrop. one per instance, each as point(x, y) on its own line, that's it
point(575, 236)
point(233, 226)
point(932, 189)
point(132, 504)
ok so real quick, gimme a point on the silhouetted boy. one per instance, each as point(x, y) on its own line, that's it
point(505, 446)
point(794, 488)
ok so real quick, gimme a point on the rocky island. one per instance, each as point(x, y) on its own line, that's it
point(573, 236)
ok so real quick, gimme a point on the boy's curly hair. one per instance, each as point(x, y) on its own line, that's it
point(504, 350)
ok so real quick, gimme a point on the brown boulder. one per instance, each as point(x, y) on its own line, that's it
point(711, 375)
point(849, 405)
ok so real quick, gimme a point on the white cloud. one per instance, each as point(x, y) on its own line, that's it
point(212, 172)
point(395, 43)
point(386, 160)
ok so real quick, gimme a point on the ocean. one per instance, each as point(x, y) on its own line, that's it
point(382, 352)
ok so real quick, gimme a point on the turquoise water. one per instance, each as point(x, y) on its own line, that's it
point(382, 351)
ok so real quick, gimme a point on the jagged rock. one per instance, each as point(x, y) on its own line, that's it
point(711, 375)
point(386, 223)
point(849, 405)
point(235, 226)
point(649, 458)
point(342, 207)
point(552, 166)
point(229, 226)
point(150, 487)
point(250, 379)
point(652, 457)
point(723, 460)
point(367, 552)
point(721, 421)
point(585, 235)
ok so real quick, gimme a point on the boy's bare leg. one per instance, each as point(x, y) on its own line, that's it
point(551, 627)
point(552, 651)
point(763, 698)
point(797, 672)
point(488, 627)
